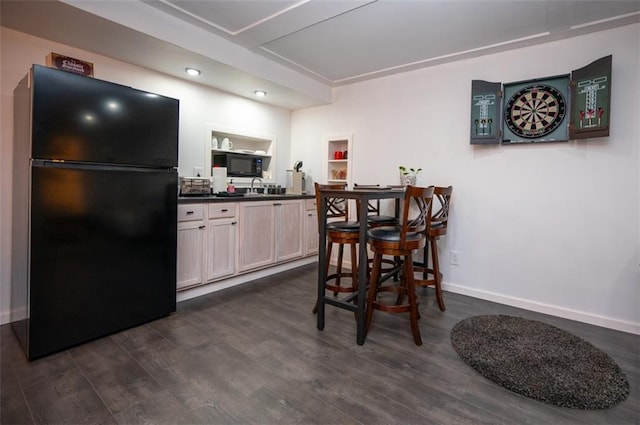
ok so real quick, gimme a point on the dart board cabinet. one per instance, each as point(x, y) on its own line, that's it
point(551, 109)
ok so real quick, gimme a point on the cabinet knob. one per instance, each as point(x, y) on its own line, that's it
point(201, 227)
point(233, 223)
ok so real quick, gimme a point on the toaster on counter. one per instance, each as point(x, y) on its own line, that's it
point(192, 186)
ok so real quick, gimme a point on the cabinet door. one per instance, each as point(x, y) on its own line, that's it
point(311, 232)
point(288, 229)
point(256, 235)
point(190, 262)
point(221, 248)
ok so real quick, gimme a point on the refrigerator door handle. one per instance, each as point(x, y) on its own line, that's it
point(57, 163)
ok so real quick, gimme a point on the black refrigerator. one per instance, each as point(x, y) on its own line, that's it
point(94, 223)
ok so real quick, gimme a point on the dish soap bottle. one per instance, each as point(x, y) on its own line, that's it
point(231, 188)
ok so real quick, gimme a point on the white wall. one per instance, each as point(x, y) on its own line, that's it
point(549, 227)
point(199, 105)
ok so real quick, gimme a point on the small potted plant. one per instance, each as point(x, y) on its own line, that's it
point(408, 176)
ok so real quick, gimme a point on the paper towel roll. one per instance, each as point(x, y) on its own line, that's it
point(219, 179)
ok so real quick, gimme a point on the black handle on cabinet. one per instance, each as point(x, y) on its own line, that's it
point(190, 212)
point(201, 227)
point(233, 223)
point(224, 210)
point(276, 205)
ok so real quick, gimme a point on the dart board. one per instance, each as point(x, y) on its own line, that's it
point(535, 111)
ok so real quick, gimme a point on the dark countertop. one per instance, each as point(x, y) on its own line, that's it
point(200, 199)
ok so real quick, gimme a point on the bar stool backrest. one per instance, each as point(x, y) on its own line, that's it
point(421, 199)
point(336, 207)
point(440, 218)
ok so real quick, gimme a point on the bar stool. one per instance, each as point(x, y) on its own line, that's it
point(343, 232)
point(374, 219)
point(400, 241)
point(437, 227)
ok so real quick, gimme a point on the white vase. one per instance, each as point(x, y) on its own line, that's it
point(407, 180)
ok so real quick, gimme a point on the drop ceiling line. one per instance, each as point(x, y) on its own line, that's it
point(228, 31)
point(268, 18)
point(314, 24)
point(602, 21)
point(297, 65)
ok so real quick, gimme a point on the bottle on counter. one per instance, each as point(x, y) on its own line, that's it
point(231, 188)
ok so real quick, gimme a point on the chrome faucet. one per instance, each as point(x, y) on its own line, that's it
point(252, 190)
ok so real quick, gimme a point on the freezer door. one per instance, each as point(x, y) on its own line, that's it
point(103, 252)
point(78, 118)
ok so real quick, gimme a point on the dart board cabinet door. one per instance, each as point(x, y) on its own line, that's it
point(486, 113)
point(591, 100)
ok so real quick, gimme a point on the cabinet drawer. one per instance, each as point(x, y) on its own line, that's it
point(311, 204)
point(190, 212)
point(222, 210)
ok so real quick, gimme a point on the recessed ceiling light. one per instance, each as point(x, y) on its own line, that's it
point(260, 93)
point(192, 71)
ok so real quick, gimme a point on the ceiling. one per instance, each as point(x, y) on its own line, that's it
point(297, 50)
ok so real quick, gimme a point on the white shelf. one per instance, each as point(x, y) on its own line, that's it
point(338, 170)
point(242, 141)
point(242, 153)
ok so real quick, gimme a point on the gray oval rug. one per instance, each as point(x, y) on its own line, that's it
point(540, 361)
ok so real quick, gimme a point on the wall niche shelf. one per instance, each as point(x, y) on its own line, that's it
point(338, 152)
point(244, 143)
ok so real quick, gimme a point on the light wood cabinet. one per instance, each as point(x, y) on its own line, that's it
point(256, 235)
point(191, 238)
point(221, 241)
point(310, 228)
point(288, 230)
point(270, 232)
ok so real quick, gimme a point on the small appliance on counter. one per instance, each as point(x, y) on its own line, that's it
point(219, 179)
point(296, 180)
point(194, 186)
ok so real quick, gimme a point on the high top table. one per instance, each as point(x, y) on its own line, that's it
point(356, 302)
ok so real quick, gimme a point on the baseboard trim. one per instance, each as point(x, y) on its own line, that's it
point(198, 291)
point(554, 310)
point(5, 317)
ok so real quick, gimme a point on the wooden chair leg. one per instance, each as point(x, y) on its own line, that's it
point(425, 261)
point(437, 277)
point(328, 261)
point(373, 287)
point(402, 289)
point(413, 302)
point(339, 266)
point(354, 267)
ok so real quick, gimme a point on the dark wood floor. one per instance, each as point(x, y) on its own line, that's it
point(252, 355)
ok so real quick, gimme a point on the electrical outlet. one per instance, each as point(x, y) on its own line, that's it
point(197, 171)
point(454, 258)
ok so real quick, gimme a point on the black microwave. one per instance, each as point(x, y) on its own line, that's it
point(238, 164)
